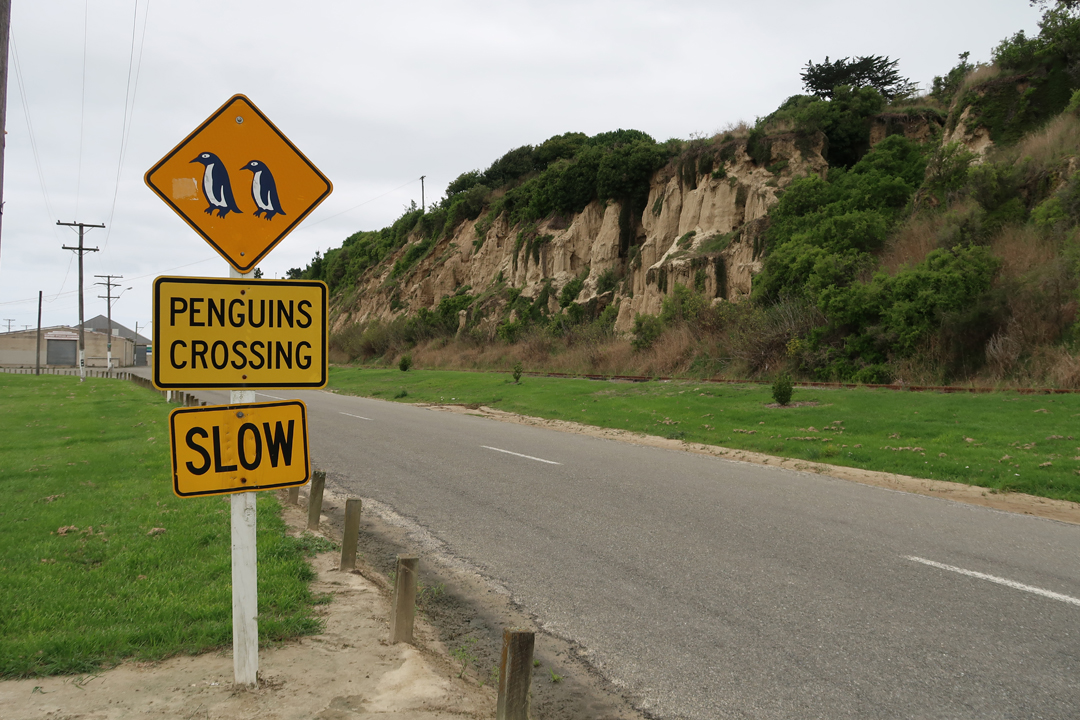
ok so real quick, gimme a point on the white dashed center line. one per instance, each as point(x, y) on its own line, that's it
point(999, 580)
point(528, 457)
point(358, 417)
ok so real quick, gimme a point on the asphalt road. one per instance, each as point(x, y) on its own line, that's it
point(717, 589)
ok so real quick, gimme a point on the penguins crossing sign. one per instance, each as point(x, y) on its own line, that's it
point(239, 183)
point(239, 333)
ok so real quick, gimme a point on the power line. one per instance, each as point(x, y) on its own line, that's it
point(30, 125)
point(137, 277)
point(82, 107)
point(125, 132)
point(388, 192)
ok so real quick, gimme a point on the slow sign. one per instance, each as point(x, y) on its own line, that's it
point(236, 448)
point(239, 333)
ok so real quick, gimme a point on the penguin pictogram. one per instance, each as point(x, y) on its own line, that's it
point(263, 190)
point(216, 186)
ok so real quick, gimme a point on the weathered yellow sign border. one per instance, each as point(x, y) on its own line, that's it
point(235, 442)
point(237, 370)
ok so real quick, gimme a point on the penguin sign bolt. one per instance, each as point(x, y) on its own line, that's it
point(205, 180)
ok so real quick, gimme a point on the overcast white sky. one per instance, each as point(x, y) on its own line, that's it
point(378, 94)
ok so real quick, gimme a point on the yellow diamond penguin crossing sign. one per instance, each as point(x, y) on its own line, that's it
point(239, 333)
point(239, 448)
point(239, 182)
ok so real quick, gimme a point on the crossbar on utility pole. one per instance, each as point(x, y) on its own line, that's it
point(108, 298)
point(82, 251)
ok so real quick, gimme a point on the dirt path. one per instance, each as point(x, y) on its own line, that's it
point(347, 672)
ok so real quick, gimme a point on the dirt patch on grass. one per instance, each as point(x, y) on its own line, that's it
point(1050, 509)
point(347, 671)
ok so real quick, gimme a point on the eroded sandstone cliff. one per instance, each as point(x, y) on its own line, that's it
point(698, 229)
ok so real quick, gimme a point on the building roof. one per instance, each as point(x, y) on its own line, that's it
point(101, 324)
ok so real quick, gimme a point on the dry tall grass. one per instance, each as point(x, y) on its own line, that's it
point(1059, 139)
point(982, 73)
point(912, 242)
point(1022, 249)
point(739, 129)
point(672, 355)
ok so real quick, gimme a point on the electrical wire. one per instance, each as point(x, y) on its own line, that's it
point(30, 127)
point(82, 108)
point(137, 277)
point(129, 108)
point(34, 148)
point(354, 207)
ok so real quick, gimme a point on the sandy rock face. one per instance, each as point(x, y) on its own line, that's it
point(719, 258)
point(975, 139)
point(699, 234)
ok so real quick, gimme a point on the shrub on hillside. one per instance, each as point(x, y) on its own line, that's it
point(572, 289)
point(844, 119)
point(647, 330)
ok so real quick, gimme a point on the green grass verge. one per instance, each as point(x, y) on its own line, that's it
point(94, 458)
point(1003, 441)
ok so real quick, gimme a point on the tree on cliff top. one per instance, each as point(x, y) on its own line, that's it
point(874, 71)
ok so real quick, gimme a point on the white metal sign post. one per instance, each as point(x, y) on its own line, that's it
point(245, 576)
point(243, 186)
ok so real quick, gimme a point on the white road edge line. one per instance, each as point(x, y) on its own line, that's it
point(358, 417)
point(999, 580)
point(271, 396)
point(530, 457)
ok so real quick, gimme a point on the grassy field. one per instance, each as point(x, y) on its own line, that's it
point(1004, 441)
point(99, 561)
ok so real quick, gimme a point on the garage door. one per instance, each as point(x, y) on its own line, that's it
point(62, 352)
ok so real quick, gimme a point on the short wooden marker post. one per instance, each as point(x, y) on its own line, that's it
point(294, 496)
point(402, 612)
point(352, 534)
point(314, 507)
point(515, 674)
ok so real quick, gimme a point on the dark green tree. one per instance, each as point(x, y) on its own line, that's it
point(1061, 4)
point(945, 87)
point(880, 73)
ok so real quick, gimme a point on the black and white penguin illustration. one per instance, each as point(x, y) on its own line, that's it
point(216, 185)
point(263, 190)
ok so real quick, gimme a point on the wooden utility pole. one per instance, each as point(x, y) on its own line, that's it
point(108, 298)
point(37, 359)
point(82, 251)
point(423, 206)
point(5, 31)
